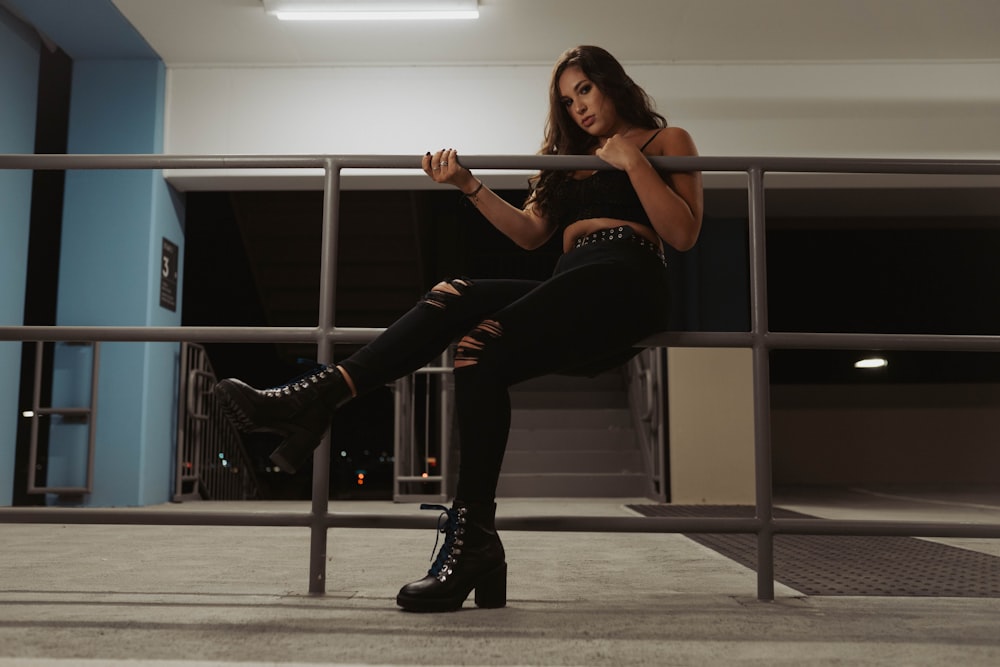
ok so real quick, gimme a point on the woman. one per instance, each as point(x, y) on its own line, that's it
point(607, 292)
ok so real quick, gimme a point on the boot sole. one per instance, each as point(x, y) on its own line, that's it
point(491, 593)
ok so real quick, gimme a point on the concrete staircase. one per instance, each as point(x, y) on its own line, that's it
point(572, 437)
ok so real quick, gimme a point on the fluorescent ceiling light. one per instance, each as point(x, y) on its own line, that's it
point(871, 362)
point(371, 10)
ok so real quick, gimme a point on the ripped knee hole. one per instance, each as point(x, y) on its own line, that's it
point(472, 343)
point(444, 290)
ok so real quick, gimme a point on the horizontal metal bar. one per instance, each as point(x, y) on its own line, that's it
point(692, 525)
point(60, 490)
point(888, 528)
point(162, 334)
point(342, 335)
point(580, 524)
point(63, 411)
point(701, 163)
point(637, 524)
point(139, 516)
point(852, 341)
point(158, 161)
point(417, 478)
point(146, 517)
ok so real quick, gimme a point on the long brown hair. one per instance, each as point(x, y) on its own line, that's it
point(562, 134)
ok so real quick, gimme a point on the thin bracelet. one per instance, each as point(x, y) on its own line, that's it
point(472, 195)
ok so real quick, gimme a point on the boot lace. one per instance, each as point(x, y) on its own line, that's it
point(311, 377)
point(451, 524)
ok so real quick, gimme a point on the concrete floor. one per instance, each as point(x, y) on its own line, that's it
point(189, 596)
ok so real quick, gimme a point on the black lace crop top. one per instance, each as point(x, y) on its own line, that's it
point(607, 193)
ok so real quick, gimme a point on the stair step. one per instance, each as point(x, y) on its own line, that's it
point(521, 461)
point(610, 381)
point(542, 400)
point(570, 485)
point(618, 439)
point(570, 418)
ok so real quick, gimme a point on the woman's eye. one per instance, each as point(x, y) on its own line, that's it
point(584, 89)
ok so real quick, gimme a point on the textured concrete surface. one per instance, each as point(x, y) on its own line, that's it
point(177, 595)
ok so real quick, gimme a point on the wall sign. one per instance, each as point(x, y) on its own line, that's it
point(168, 276)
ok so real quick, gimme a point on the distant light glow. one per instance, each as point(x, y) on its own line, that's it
point(28, 414)
point(871, 362)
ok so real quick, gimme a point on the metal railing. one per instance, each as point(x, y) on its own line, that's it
point(646, 386)
point(211, 463)
point(412, 451)
point(325, 335)
point(87, 414)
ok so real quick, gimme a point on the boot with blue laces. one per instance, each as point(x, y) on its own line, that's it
point(471, 558)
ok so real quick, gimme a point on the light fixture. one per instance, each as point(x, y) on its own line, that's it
point(871, 362)
point(371, 10)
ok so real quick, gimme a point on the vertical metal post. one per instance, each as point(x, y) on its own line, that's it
point(95, 368)
point(761, 386)
point(182, 431)
point(36, 407)
point(327, 293)
point(447, 393)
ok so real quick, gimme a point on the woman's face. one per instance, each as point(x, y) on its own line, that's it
point(586, 104)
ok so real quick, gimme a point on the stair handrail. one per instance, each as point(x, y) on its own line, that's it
point(646, 390)
point(203, 433)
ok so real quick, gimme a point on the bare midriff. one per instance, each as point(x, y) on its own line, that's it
point(582, 228)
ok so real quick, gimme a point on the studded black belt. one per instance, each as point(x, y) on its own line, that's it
point(622, 233)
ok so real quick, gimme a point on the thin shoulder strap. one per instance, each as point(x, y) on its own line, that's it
point(643, 147)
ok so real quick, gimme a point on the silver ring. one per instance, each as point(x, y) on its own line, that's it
point(435, 167)
point(443, 163)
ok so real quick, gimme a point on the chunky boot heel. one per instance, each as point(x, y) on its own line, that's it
point(300, 410)
point(491, 590)
point(295, 450)
point(471, 558)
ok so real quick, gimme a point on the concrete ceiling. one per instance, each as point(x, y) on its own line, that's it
point(233, 32)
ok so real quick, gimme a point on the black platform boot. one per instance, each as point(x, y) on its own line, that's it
point(472, 557)
point(300, 411)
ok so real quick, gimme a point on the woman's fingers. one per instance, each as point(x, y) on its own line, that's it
point(442, 166)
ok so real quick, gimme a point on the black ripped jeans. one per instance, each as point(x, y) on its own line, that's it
point(585, 319)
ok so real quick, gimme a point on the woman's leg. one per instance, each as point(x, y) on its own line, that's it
point(446, 312)
point(300, 410)
point(585, 314)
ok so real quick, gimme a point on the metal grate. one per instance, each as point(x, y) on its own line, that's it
point(850, 565)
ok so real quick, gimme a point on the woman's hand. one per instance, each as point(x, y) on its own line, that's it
point(443, 167)
point(620, 152)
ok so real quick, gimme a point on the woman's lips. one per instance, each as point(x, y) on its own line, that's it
point(588, 121)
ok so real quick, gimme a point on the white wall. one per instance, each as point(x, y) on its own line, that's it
point(711, 426)
point(930, 110)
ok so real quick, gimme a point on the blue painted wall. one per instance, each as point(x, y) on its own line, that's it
point(19, 53)
point(114, 223)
